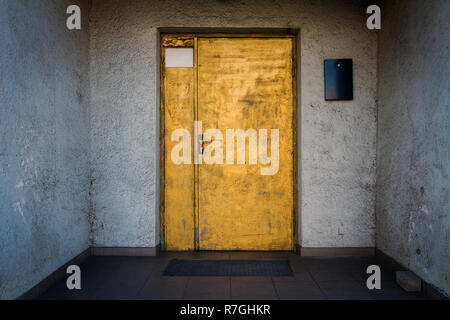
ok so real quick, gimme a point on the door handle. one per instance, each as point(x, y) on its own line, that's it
point(200, 143)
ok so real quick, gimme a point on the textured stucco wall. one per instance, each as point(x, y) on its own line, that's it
point(44, 142)
point(337, 175)
point(413, 194)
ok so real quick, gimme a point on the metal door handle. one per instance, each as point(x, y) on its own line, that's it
point(200, 144)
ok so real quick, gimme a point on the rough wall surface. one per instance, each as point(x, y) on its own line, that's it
point(337, 139)
point(413, 196)
point(44, 142)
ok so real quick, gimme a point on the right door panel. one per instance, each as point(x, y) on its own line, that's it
point(247, 83)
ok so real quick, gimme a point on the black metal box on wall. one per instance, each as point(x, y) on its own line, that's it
point(338, 79)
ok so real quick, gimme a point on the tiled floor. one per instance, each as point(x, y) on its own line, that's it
point(314, 278)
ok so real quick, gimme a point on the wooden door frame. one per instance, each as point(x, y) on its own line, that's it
point(189, 40)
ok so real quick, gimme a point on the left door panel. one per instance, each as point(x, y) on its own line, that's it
point(178, 99)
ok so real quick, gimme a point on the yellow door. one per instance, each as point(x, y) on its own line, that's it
point(238, 191)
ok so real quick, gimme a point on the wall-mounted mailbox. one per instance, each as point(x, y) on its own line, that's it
point(338, 79)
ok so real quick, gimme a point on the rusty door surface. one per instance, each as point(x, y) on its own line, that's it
point(241, 92)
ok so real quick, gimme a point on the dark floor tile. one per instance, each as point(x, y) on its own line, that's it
point(159, 267)
point(392, 291)
point(404, 297)
point(304, 277)
point(133, 270)
point(208, 288)
point(330, 274)
point(297, 266)
point(135, 277)
point(126, 279)
point(252, 288)
point(117, 290)
point(293, 255)
point(96, 268)
point(249, 280)
point(59, 291)
point(163, 288)
point(298, 291)
point(168, 255)
point(348, 290)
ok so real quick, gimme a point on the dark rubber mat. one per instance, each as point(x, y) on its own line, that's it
point(228, 268)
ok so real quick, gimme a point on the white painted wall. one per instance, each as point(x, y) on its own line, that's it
point(44, 142)
point(337, 139)
point(413, 193)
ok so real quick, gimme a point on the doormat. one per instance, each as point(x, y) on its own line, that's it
point(228, 268)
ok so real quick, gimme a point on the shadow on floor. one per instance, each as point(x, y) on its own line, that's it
point(105, 278)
